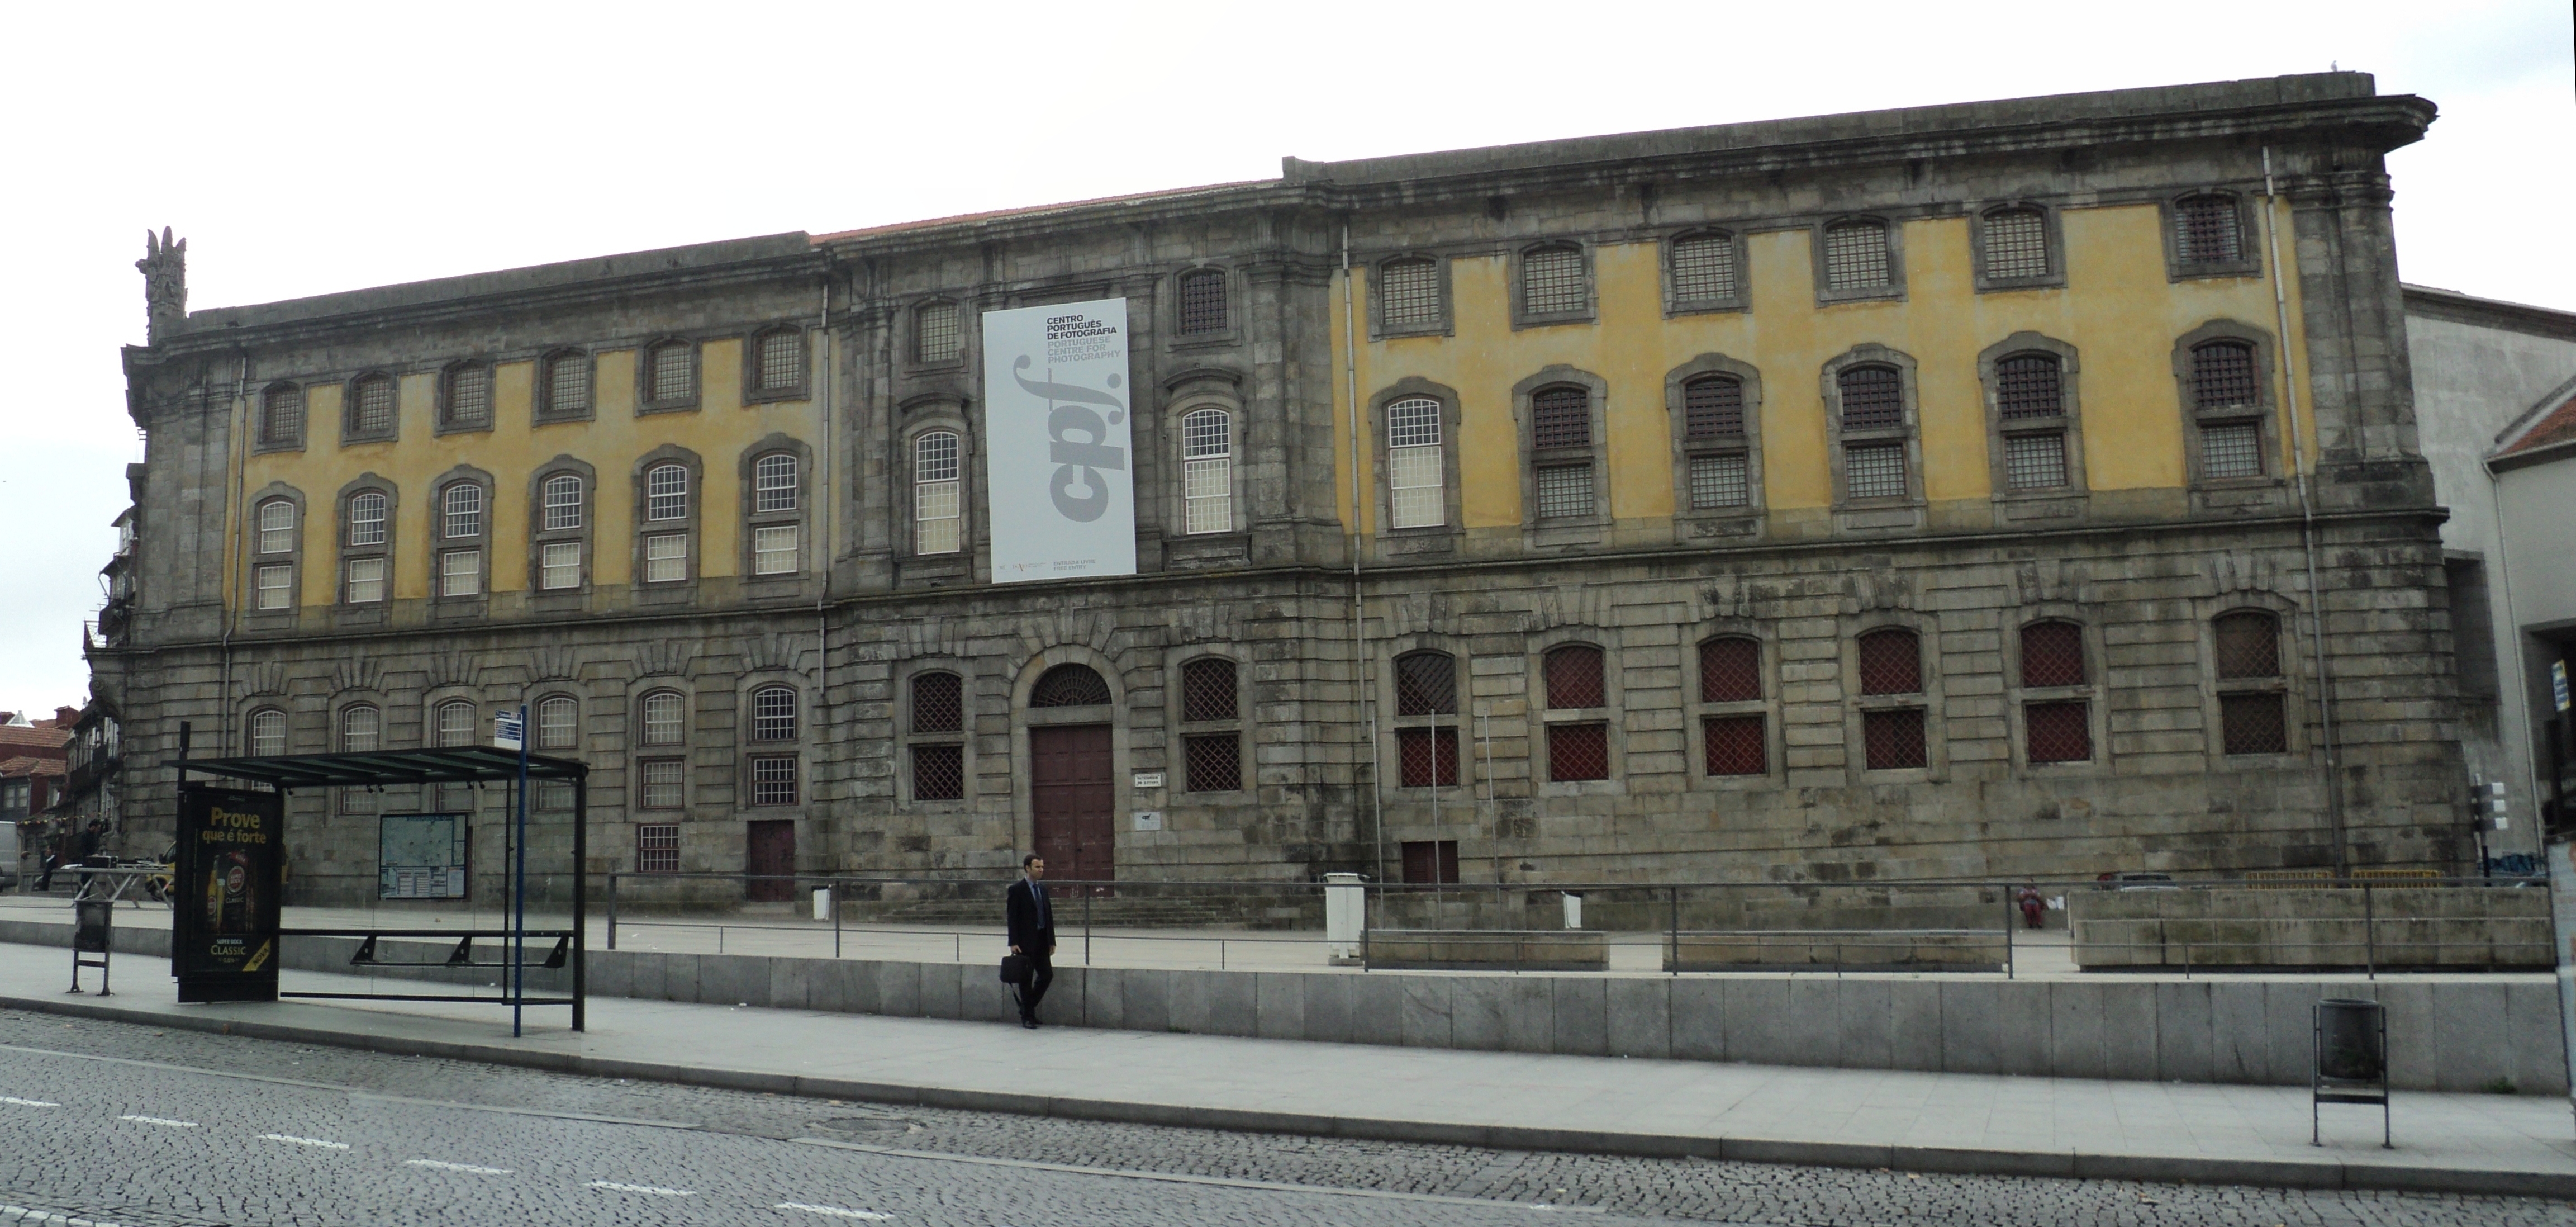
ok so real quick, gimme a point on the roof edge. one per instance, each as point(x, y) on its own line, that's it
point(2434, 302)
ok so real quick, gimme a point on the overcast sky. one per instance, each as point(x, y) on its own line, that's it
point(308, 150)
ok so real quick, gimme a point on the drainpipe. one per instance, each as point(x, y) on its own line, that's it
point(825, 504)
point(2307, 518)
point(1359, 612)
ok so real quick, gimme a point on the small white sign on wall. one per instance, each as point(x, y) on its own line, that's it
point(1149, 820)
point(1149, 779)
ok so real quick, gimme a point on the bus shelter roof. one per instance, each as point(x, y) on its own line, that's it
point(456, 765)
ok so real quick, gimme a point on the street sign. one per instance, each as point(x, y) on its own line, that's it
point(508, 730)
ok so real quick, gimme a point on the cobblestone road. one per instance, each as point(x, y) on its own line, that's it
point(88, 1130)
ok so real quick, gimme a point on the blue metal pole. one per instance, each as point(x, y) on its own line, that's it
point(519, 926)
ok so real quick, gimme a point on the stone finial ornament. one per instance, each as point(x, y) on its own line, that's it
point(165, 283)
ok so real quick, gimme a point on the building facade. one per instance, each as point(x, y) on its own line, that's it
point(2017, 488)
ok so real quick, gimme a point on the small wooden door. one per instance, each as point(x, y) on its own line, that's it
point(1071, 801)
point(769, 848)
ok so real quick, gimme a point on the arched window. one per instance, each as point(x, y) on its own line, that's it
point(462, 510)
point(274, 581)
point(666, 493)
point(565, 385)
point(2016, 244)
point(1574, 677)
point(453, 724)
point(1211, 758)
point(1892, 736)
point(671, 375)
point(1856, 256)
point(1069, 686)
point(778, 360)
point(938, 713)
point(2253, 715)
point(1873, 404)
point(1873, 397)
point(1207, 690)
point(2207, 230)
point(362, 729)
point(2056, 727)
point(367, 519)
point(1577, 750)
point(1703, 269)
point(938, 703)
point(1409, 294)
point(1713, 428)
point(2030, 400)
point(277, 526)
point(369, 413)
point(936, 337)
point(2224, 382)
point(267, 733)
point(773, 713)
point(1426, 684)
point(563, 503)
point(1202, 302)
point(774, 482)
point(1207, 471)
point(1417, 476)
point(1891, 662)
point(938, 511)
point(1561, 419)
point(281, 416)
point(664, 716)
point(1552, 281)
point(1426, 690)
point(364, 546)
point(775, 494)
point(465, 396)
point(1733, 741)
point(562, 500)
point(1730, 670)
point(558, 723)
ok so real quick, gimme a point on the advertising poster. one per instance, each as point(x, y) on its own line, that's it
point(224, 894)
point(420, 856)
point(1058, 465)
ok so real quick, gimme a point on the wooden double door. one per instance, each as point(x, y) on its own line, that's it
point(1072, 801)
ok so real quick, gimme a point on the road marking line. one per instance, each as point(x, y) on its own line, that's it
point(27, 1103)
point(288, 1137)
point(641, 1188)
point(459, 1167)
point(351, 1091)
point(834, 1211)
point(1272, 1186)
point(25, 1215)
point(158, 1120)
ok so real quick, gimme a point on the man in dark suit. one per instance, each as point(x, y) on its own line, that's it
point(1032, 926)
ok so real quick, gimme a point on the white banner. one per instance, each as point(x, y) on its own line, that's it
point(1057, 457)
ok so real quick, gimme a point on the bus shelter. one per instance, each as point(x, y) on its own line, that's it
point(229, 876)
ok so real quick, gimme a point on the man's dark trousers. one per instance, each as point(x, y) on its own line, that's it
point(1032, 928)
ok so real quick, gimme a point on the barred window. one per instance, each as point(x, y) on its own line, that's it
point(1730, 670)
point(2253, 724)
point(1873, 397)
point(1552, 281)
point(2207, 230)
point(773, 780)
point(281, 415)
point(1202, 302)
point(362, 729)
point(1427, 757)
point(567, 384)
point(1578, 752)
point(1891, 662)
point(366, 580)
point(276, 586)
point(1875, 470)
point(666, 492)
point(939, 773)
point(2222, 376)
point(2231, 449)
point(1703, 268)
point(559, 566)
point(277, 526)
point(454, 722)
point(1713, 407)
point(371, 406)
point(938, 703)
point(773, 714)
point(779, 356)
point(460, 573)
point(558, 722)
point(463, 505)
point(2052, 654)
point(1574, 677)
point(1212, 762)
point(2030, 386)
point(666, 558)
point(937, 510)
point(2249, 645)
point(1719, 481)
point(1564, 491)
point(2016, 244)
point(664, 780)
point(1426, 684)
point(773, 480)
point(1409, 293)
point(367, 519)
point(1893, 740)
point(773, 549)
point(468, 400)
point(1417, 479)
point(1856, 256)
point(663, 714)
point(1207, 464)
point(657, 846)
point(2035, 462)
point(1069, 686)
point(936, 337)
point(1735, 745)
point(1208, 690)
point(563, 503)
point(2058, 732)
point(671, 373)
point(267, 732)
point(1561, 417)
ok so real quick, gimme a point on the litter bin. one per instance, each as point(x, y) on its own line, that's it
point(2351, 1048)
point(1345, 916)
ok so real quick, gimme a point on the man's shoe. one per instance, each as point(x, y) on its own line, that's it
point(1030, 1023)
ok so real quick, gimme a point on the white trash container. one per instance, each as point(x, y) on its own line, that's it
point(1345, 911)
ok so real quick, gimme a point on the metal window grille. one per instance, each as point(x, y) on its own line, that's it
point(1561, 417)
point(2253, 724)
point(455, 724)
point(1574, 677)
point(1893, 740)
point(1409, 293)
point(773, 550)
point(366, 580)
point(673, 373)
point(277, 526)
point(281, 416)
point(1873, 397)
point(2058, 732)
point(1207, 471)
point(268, 732)
point(1578, 752)
point(1713, 407)
point(567, 385)
point(276, 582)
point(773, 482)
point(562, 503)
point(1735, 745)
point(1417, 483)
point(1430, 862)
point(663, 714)
point(939, 773)
point(460, 573)
point(1552, 282)
point(469, 395)
point(2030, 386)
point(1564, 490)
point(657, 847)
point(558, 723)
point(938, 703)
point(1703, 268)
point(1730, 670)
point(2231, 449)
point(367, 520)
point(1208, 690)
point(664, 783)
point(1426, 684)
point(1069, 686)
point(1427, 758)
point(1891, 662)
point(2035, 462)
point(936, 335)
point(1212, 763)
point(464, 506)
point(773, 780)
point(362, 730)
point(1202, 302)
point(1875, 470)
point(2207, 231)
point(2016, 244)
point(2222, 376)
point(2249, 644)
point(1856, 256)
point(1719, 481)
point(666, 558)
point(371, 406)
point(782, 360)
point(666, 492)
point(2052, 654)
point(773, 714)
point(936, 505)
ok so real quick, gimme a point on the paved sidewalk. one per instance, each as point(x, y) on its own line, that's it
point(1872, 1118)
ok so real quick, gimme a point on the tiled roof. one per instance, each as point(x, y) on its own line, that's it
point(45, 739)
point(2556, 426)
point(14, 768)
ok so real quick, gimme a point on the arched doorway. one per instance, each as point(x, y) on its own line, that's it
point(1072, 798)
